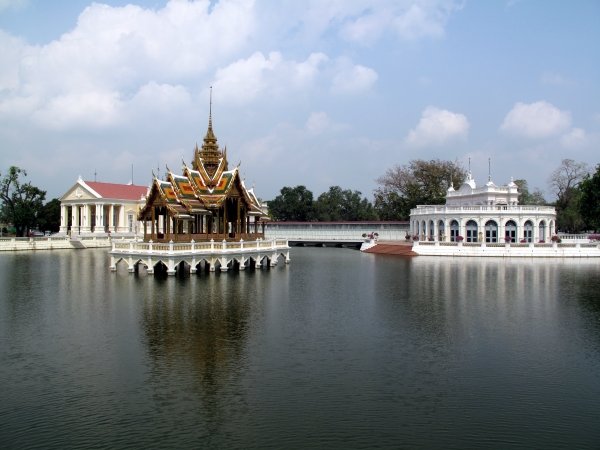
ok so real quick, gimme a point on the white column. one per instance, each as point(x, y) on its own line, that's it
point(75, 219)
point(111, 224)
point(64, 219)
point(86, 219)
point(122, 222)
point(99, 228)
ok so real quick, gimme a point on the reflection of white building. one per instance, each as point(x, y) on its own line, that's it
point(486, 214)
point(91, 207)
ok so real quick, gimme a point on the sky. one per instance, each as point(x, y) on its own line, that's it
point(314, 93)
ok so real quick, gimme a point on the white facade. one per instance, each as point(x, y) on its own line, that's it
point(487, 214)
point(101, 208)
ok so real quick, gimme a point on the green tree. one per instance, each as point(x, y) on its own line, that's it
point(49, 216)
point(343, 204)
point(419, 182)
point(21, 202)
point(292, 204)
point(565, 181)
point(589, 202)
point(529, 198)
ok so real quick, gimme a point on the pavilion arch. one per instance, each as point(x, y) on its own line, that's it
point(491, 231)
point(471, 229)
point(160, 269)
point(454, 230)
point(528, 231)
point(182, 268)
point(423, 229)
point(264, 262)
point(510, 230)
point(121, 262)
point(203, 266)
point(140, 266)
point(542, 231)
point(431, 233)
point(441, 230)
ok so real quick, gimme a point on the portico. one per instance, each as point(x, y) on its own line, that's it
point(97, 208)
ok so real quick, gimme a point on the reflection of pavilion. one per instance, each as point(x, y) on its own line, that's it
point(488, 214)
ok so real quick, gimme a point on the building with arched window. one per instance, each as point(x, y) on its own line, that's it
point(489, 214)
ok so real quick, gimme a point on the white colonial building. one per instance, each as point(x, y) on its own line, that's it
point(91, 207)
point(488, 214)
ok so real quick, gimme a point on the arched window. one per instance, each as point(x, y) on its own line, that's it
point(423, 230)
point(528, 231)
point(471, 231)
point(542, 231)
point(431, 230)
point(453, 230)
point(510, 230)
point(491, 231)
point(441, 234)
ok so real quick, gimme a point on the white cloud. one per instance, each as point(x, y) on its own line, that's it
point(437, 126)
point(419, 21)
point(367, 29)
point(245, 79)
point(90, 110)
point(87, 75)
point(363, 22)
point(317, 122)
point(575, 138)
point(350, 78)
point(536, 120)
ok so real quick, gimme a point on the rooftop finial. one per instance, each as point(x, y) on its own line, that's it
point(489, 169)
point(210, 109)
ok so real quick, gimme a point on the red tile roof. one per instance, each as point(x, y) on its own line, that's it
point(118, 191)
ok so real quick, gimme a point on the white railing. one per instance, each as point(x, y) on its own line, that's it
point(335, 232)
point(198, 247)
point(428, 209)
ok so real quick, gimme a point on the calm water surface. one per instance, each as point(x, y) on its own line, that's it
point(338, 350)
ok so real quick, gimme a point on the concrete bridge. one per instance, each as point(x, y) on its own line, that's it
point(336, 234)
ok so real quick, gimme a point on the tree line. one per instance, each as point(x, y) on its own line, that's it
point(401, 188)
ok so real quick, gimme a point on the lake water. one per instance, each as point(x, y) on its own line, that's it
point(337, 350)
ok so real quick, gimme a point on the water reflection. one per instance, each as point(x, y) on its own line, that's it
point(340, 349)
point(195, 332)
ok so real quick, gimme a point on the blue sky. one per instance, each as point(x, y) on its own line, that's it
point(318, 93)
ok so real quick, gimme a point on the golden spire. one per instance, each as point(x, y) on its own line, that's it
point(210, 155)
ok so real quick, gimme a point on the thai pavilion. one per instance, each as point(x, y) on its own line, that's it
point(488, 214)
point(208, 201)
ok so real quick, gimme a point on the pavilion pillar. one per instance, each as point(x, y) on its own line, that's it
point(238, 219)
point(112, 223)
point(99, 227)
point(122, 223)
point(75, 219)
point(153, 219)
point(86, 218)
point(64, 219)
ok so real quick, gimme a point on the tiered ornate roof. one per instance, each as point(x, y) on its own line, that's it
point(204, 187)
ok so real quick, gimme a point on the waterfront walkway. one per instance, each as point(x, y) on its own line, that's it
point(402, 248)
